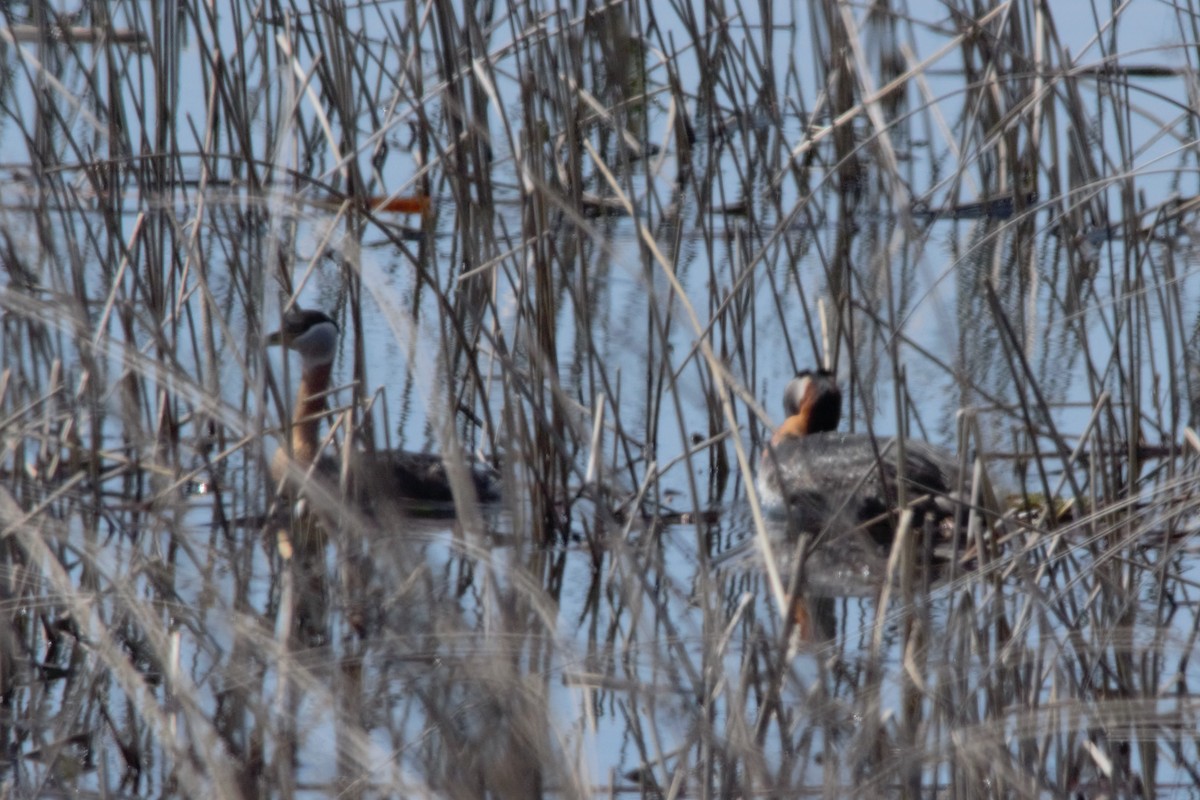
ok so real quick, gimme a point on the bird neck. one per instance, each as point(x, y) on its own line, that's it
point(794, 426)
point(310, 407)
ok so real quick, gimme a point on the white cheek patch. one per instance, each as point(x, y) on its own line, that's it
point(317, 345)
point(795, 394)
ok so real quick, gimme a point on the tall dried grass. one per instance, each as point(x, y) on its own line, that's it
point(638, 221)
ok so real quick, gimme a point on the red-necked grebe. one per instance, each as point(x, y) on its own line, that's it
point(820, 479)
point(396, 474)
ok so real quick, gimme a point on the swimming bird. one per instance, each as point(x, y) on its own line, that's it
point(820, 479)
point(382, 476)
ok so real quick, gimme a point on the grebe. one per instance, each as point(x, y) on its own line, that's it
point(821, 479)
point(392, 475)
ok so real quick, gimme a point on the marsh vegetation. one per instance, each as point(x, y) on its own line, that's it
point(592, 242)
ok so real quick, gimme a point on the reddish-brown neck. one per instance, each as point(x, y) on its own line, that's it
point(795, 425)
point(306, 418)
